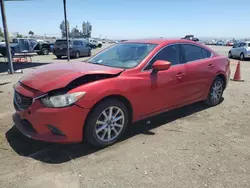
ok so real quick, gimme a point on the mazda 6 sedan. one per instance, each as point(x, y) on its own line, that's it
point(98, 99)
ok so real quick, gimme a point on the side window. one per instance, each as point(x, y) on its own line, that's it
point(77, 42)
point(170, 53)
point(192, 52)
point(238, 45)
point(206, 53)
point(243, 44)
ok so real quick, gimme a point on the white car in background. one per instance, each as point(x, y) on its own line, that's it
point(94, 43)
point(240, 50)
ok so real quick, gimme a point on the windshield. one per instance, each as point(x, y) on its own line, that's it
point(123, 55)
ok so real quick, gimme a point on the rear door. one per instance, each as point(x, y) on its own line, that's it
point(77, 46)
point(242, 48)
point(234, 49)
point(85, 47)
point(199, 67)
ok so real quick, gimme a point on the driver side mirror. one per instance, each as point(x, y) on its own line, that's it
point(161, 65)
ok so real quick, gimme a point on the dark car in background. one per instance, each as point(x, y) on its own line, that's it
point(77, 48)
point(190, 37)
point(26, 45)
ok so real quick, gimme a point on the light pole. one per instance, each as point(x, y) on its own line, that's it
point(66, 28)
point(6, 35)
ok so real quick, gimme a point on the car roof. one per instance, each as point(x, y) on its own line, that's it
point(73, 39)
point(160, 41)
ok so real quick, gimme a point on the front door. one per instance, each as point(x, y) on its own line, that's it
point(163, 89)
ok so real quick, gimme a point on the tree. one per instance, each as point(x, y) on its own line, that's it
point(76, 33)
point(1, 32)
point(86, 29)
point(19, 35)
point(31, 33)
point(63, 29)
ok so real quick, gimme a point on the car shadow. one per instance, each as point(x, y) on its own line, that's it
point(60, 153)
point(19, 66)
point(71, 58)
point(62, 58)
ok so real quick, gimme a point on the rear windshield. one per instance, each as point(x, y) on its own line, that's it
point(62, 42)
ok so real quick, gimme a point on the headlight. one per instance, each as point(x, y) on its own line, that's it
point(62, 100)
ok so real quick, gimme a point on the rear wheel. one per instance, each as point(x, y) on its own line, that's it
point(59, 57)
point(106, 123)
point(77, 55)
point(89, 53)
point(216, 92)
point(45, 51)
point(230, 55)
point(242, 56)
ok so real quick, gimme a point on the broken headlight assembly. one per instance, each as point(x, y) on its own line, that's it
point(64, 100)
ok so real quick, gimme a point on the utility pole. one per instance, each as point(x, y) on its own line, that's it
point(6, 35)
point(66, 28)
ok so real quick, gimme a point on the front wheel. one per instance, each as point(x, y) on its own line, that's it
point(230, 55)
point(242, 56)
point(106, 123)
point(216, 92)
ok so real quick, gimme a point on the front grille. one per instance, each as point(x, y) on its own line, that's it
point(22, 102)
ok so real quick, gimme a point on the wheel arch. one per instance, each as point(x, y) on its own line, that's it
point(119, 97)
point(223, 77)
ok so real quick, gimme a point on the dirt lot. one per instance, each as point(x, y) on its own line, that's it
point(194, 146)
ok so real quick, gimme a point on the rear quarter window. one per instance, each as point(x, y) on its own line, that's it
point(206, 53)
point(192, 52)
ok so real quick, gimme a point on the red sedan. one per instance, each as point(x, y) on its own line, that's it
point(97, 99)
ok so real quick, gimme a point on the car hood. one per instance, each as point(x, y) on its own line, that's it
point(59, 75)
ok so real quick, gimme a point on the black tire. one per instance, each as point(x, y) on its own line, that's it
point(12, 51)
point(242, 56)
point(90, 127)
point(210, 99)
point(89, 53)
point(99, 45)
point(45, 51)
point(59, 57)
point(77, 55)
point(230, 55)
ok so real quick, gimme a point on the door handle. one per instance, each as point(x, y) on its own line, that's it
point(180, 75)
point(210, 66)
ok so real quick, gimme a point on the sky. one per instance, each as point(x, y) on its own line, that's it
point(130, 19)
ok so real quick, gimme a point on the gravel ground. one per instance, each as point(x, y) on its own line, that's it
point(194, 146)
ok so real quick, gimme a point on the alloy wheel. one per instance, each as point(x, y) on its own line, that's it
point(45, 51)
point(109, 124)
point(242, 56)
point(217, 91)
point(77, 55)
